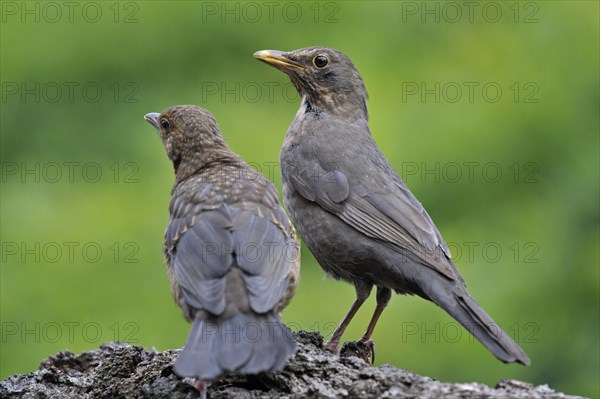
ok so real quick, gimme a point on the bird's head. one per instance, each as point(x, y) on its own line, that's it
point(325, 78)
point(189, 133)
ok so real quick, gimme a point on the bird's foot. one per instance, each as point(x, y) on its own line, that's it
point(332, 346)
point(364, 350)
point(200, 385)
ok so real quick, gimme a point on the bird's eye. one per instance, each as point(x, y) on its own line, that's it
point(320, 61)
point(165, 124)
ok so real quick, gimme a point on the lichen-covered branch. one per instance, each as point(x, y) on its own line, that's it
point(117, 370)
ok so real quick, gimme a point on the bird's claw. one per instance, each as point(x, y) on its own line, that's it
point(370, 344)
point(200, 385)
point(364, 350)
point(333, 347)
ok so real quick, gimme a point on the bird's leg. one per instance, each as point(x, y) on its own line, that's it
point(383, 298)
point(200, 385)
point(363, 290)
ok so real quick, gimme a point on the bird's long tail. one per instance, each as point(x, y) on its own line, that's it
point(246, 344)
point(462, 307)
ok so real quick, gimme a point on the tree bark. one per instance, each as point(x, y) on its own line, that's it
point(118, 370)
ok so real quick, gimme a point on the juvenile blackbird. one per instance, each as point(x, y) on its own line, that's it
point(354, 212)
point(231, 252)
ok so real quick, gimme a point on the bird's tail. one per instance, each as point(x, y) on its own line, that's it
point(460, 305)
point(245, 343)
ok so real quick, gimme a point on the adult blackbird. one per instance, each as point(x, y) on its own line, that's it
point(231, 252)
point(354, 212)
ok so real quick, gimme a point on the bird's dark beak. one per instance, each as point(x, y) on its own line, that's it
point(277, 59)
point(152, 118)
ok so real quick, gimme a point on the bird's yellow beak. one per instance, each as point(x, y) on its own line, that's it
point(277, 59)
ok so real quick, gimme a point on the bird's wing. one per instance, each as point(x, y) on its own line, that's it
point(199, 247)
point(394, 216)
point(267, 256)
point(205, 239)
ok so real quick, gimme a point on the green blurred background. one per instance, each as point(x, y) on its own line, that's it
point(510, 177)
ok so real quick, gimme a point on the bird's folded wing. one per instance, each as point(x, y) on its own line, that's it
point(266, 256)
point(317, 184)
point(204, 243)
point(201, 257)
point(395, 216)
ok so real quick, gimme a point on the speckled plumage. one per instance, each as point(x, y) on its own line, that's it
point(231, 252)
